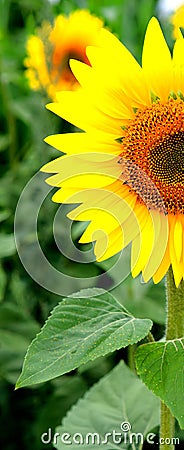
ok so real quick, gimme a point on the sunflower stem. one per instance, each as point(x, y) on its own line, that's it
point(131, 357)
point(167, 428)
point(175, 308)
point(174, 330)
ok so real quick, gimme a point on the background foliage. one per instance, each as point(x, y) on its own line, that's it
point(24, 305)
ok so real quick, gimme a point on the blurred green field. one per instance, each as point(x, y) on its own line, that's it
point(24, 304)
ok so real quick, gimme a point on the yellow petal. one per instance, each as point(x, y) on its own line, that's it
point(142, 247)
point(178, 66)
point(85, 171)
point(161, 231)
point(178, 238)
point(109, 245)
point(122, 73)
point(176, 266)
point(73, 143)
point(77, 109)
point(163, 268)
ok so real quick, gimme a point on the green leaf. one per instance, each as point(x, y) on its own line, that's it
point(7, 245)
point(117, 401)
point(161, 367)
point(80, 329)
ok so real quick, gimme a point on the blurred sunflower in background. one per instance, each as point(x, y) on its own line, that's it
point(126, 169)
point(177, 21)
point(49, 51)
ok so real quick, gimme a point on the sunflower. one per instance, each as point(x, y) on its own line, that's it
point(177, 20)
point(125, 167)
point(51, 49)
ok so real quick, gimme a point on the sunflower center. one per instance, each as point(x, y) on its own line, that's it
point(152, 156)
point(166, 160)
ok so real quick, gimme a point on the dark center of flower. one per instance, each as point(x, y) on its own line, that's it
point(166, 159)
point(152, 156)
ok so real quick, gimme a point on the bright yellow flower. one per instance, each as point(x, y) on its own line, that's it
point(177, 21)
point(49, 52)
point(126, 169)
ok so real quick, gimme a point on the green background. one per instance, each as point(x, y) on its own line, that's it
point(24, 305)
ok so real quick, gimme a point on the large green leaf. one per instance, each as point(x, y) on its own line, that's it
point(119, 401)
point(161, 367)
point(80, 329)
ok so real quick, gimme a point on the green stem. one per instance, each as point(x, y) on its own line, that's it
point(174, 330)
point(131, 357)
point(175, 308)
point(167, 428)
point(150, 337)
